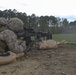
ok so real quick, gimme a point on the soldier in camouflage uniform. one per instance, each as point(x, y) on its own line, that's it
point(8, 37)
point(3, 23)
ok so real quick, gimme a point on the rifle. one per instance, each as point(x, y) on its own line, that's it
point(27, 33)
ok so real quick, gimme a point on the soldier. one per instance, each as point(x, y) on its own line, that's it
point(8, 37)
point(3, 46)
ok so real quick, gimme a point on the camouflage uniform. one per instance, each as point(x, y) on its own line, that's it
point(10, 38)
point(3, 23)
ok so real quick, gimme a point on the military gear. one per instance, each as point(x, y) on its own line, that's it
point(3, 21)
point(15, 24)
point(3, 24)
point(9, 38)
point(4, 53)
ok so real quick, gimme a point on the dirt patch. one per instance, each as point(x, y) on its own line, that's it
point(60, 61)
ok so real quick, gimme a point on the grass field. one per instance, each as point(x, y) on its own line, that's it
point(67, 37)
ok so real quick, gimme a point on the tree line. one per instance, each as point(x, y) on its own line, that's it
point(54, 24)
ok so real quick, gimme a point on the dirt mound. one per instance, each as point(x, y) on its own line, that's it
point(59, 61)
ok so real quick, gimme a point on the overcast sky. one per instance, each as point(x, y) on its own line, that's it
point(58, 8)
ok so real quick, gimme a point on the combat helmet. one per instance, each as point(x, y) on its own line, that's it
point(3, 24)
point(15, 24)
point(3, 21)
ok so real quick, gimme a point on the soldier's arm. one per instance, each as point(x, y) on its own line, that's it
point(11, 41)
